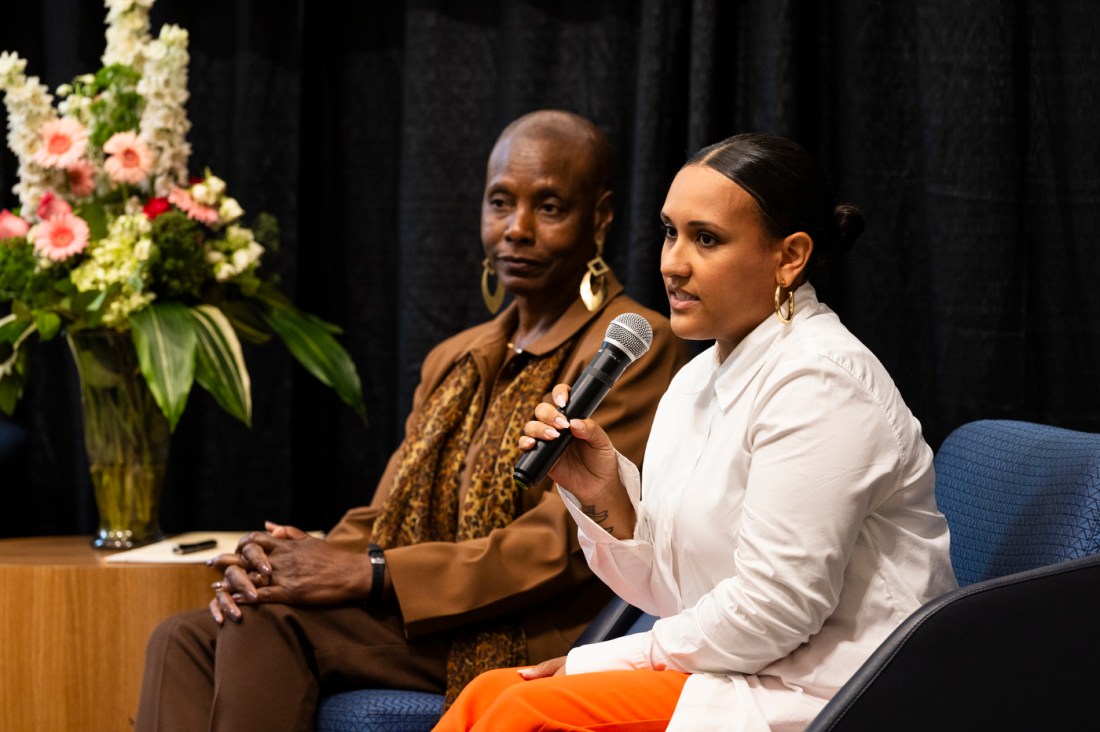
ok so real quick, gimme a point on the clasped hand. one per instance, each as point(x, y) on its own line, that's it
point(285, 564)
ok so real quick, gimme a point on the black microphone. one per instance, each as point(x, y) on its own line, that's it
point(628, 337)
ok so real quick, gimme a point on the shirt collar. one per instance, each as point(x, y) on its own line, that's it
point(573, 320)
point(734, 374)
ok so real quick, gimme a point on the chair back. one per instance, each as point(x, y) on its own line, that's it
point(1022, 501)
point(1018, 495)
point(1013, 653)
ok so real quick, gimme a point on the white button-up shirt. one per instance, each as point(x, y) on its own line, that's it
point(786, 524)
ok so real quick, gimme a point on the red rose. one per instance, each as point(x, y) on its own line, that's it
point(155, 207)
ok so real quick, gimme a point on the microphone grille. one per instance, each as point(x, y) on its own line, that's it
point(632, 332)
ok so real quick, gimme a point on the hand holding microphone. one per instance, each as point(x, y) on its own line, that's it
point(628, 337)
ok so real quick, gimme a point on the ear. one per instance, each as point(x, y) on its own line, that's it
point(794, 255)
point(605, 213)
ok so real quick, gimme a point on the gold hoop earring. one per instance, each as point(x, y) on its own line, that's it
point(492, 299)
point(594, 284)
point(785, 320)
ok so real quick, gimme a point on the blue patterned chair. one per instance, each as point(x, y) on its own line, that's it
point(1018, 495)
point(393, 710)
point(1015, 647)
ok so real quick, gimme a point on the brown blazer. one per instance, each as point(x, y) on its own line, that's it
point(534, 566)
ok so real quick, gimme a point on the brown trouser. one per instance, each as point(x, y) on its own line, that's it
point(268, 671)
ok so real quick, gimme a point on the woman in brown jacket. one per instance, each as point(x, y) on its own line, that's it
point(451, 570)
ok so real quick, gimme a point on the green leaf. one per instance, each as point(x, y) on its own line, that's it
point(12, 328)
point(96, 218)
point(165, 338)
point(313, 345)
point(11, 389)
point(13, 331)
point(247, 320)
point(48, 323)
point(13, 366)
point(276, 300)
point(219, 363)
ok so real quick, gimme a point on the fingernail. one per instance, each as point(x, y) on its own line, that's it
point(561, 421)
point(551, 433)
point(524, 672)
point(559, 399)
point(209, 562)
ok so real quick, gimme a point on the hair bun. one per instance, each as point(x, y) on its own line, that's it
point(849, 225)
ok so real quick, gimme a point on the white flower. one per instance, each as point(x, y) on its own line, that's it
point(29, 106)
point(164, 124)
point(127, 32)
point(142, 249)
point(201, 193)
point(216, 186)
point(230, 210)
point(11, 68)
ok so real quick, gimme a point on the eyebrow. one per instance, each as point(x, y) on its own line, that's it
point(693, 223)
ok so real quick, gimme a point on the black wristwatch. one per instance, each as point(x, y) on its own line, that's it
point(378, 573)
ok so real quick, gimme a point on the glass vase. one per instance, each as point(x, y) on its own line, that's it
point(126, 437)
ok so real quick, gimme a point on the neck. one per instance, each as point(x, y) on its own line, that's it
point(539, 312)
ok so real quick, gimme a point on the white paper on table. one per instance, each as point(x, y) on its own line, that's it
point(161, 552)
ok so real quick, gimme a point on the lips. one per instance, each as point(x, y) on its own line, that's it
point(518, 266)
point(680, 299)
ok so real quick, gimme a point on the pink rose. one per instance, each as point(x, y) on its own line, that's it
point(51, 206)
point(11, 226)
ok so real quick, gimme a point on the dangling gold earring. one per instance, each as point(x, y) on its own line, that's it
point(492, 299)
point(779, 307)
point(593, 297)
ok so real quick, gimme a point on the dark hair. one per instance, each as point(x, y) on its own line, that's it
point(790, 189)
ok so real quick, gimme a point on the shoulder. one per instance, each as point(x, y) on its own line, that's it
point(825, 364)
point(448, 351)
point(823, 343)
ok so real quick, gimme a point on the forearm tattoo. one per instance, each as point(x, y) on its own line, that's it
point(597, 516)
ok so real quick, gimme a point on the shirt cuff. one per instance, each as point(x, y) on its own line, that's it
point(619, 654)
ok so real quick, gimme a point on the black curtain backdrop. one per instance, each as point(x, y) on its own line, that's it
point(967, 131)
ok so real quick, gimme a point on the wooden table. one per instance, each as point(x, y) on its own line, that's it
point(73, 630)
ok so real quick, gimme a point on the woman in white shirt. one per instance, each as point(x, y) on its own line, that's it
point(786, 521)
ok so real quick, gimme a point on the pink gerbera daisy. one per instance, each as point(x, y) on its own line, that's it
point(82, 179)
point(130, 159)
point(61, 236)
point(63, 142)
point(182, 199)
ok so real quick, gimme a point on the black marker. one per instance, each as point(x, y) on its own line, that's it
point(198, 546)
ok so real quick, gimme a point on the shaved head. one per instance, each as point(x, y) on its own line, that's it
point(568, 131)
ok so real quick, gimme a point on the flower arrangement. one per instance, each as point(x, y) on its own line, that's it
point(112, 234)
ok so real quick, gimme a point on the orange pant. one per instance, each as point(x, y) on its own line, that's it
point(638, 701)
